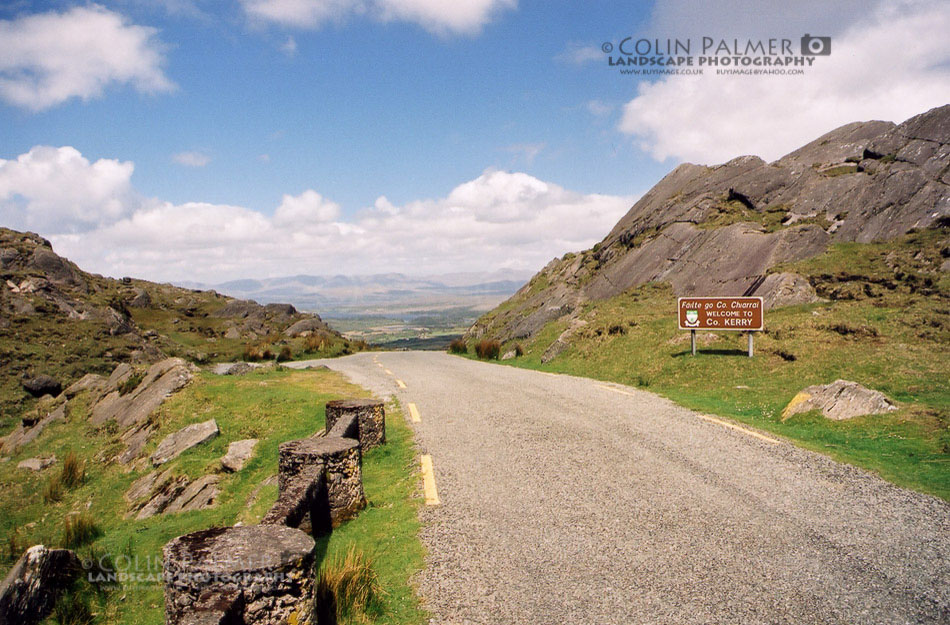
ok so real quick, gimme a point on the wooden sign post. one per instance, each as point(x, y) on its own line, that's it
point(737, 314)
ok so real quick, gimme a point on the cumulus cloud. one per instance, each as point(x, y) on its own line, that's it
point(891, 65)
point(92, 214)
point(460, 16)
point(58, 190)
point(48, 58)
point(191, 159)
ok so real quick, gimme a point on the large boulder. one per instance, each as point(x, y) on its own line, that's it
point(839, 400)
point(239, 309)
point(312, 324)
point(30, 589)
point(184, 439)
point(42, 385)
point(141, 299)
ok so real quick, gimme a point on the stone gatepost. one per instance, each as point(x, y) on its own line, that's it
point(370, 413)
point(342, 460)
point(260, 574)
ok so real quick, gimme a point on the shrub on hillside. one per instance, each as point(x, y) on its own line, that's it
point(488, 349)
point(458, 346)
point(285, 354)
point(519, 350)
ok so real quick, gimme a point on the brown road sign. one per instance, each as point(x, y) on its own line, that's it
point(721, 313)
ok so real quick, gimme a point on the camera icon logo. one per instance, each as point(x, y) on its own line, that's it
point(816, 46)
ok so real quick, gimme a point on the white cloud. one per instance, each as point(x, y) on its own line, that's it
point(891, 65)
point(579, 54)
point(459, 16)
point(305, 209)
point(598, 108)
point(527, 151)
point(191, 159)
point(58, 190)
point(48, 58)
point(289, 47)
point(94, 217)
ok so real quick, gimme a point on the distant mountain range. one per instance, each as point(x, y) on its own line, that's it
point(379, 294)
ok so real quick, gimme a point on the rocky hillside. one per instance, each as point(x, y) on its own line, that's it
point(59, 323)
point(723, 230)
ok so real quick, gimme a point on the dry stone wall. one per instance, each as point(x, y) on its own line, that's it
point(264, 573)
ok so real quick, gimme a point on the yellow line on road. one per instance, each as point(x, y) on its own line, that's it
point(414, 413)
point(615, 390)
point(428, 481)
point(400, 384)
point(388, 372)
point(739, 428)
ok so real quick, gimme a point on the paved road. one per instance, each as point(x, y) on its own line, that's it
point(565, 500)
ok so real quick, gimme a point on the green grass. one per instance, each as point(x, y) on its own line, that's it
point(891, 332)
point(387, 530)
point(272, 405)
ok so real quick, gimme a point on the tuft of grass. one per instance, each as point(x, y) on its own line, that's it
point(347, 590)
point(74, 471)
point(458, 346)
point(72, 608)
point(53, 491)
point(316, 343)
point(488, 349)
point(519, 349)
point(285, 354)
point(80, 529)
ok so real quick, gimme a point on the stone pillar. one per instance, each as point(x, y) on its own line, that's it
point(264, 574)
point(369, 412)
point(342, 461)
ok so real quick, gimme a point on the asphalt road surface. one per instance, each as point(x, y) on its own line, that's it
point(569, 501)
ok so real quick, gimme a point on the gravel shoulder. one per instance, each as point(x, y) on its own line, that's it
point(567, 500)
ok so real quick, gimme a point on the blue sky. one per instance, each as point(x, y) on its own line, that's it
point(192, 139)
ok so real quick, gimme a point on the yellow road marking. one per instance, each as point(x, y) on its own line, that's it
point(400, 384)
point(379, 364)
point(414, 413)
point(615, 390)
point(739, 428)
point(428, 481)
point(388, 372)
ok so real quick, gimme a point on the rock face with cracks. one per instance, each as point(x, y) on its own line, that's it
point(717, 231)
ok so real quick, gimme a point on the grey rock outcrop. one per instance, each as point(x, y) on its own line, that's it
point(314, 324)
point(141, 299)
point(839, 400)
point(31, 428)
point(30, 589)
point(37, 464)
point(721, 230)
point(184, 439)
point(239, 452)
point(161, 380)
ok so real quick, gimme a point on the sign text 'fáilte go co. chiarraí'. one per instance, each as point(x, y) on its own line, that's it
point(721, 313)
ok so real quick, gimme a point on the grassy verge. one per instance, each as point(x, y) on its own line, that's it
point(886, 325)
point(387, 530)
point(273, 406)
